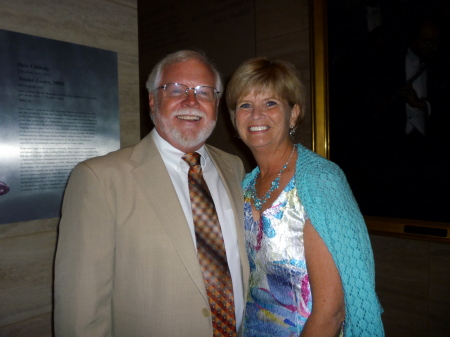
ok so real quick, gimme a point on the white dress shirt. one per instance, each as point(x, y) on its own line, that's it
point(178, 171)
point(415, 117)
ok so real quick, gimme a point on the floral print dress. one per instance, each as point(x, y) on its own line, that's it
point(279, 299)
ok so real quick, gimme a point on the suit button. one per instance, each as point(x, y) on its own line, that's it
point(205, 312)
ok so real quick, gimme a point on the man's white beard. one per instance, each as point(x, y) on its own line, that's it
point(184, 140)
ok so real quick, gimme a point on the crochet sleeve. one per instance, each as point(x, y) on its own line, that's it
point(334, 213)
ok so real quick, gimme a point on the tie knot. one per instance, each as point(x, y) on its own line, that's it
point(192, 158)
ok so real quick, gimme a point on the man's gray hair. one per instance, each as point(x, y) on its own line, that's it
point(177, 57)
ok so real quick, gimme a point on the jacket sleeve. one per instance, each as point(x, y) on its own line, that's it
point(84, 258)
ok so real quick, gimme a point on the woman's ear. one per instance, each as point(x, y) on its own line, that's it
point(295, 115)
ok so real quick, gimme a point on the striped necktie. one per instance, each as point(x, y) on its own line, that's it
point(211, 251)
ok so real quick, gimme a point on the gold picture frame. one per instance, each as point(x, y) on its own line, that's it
point(405, 228)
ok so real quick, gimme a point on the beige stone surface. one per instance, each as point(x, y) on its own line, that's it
point(40, 326)
point(402, 284)
point(439, 290)
point(27, 248)
point(412, 281)
point(26, 272)
point(28, 227)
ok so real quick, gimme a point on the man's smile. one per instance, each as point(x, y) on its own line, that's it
point(189, 117)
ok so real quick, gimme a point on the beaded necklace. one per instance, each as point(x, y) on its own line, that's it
point(257, 202)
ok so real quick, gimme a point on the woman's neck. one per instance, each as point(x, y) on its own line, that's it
point(276, 171)
point(270, 161)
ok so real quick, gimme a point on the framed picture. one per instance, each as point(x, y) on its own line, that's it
point(347, 81)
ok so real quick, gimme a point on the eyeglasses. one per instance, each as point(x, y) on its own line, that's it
point(178, 90)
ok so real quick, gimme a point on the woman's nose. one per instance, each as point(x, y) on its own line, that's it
point(257, 113)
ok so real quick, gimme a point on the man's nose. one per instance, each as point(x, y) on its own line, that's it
point(191, 98)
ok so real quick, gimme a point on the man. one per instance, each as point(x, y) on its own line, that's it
point(126, 262)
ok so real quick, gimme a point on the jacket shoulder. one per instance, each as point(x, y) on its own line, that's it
point(226, 155)
point(110, 164)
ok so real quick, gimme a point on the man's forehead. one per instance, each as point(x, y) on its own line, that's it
point(191, 69)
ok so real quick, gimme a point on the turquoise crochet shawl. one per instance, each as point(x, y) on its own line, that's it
point(334, 213)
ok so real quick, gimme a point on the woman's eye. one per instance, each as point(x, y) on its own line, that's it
point(271, 103)
point(245, 106)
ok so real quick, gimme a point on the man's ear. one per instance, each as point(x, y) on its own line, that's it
point(152, 103)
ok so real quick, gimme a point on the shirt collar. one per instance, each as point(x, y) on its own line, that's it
point(173, 157)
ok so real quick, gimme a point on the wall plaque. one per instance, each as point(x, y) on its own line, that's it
point(58, 106)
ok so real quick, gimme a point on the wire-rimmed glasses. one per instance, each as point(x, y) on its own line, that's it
point(178, 90)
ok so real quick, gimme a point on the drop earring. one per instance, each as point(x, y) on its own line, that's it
point(292, 131)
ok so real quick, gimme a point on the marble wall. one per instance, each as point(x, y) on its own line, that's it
point(27, 248)
point(413, 276)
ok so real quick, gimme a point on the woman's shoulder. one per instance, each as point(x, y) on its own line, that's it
point(311, 165)
point(249, 177)
point(318, 178)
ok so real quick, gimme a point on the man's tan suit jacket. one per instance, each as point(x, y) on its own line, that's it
point(126, 263)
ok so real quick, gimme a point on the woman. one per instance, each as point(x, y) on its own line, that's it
point(312, 270)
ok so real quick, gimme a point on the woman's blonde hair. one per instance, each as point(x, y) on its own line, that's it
point(261, 74)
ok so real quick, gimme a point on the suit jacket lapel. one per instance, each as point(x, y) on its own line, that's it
point(155, 182)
